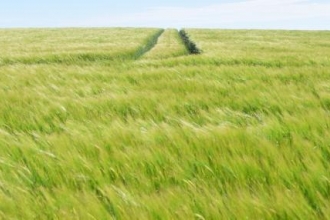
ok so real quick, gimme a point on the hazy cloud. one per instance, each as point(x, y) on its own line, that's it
point(248, 14)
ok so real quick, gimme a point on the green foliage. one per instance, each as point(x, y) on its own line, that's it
point(238, 132)
point(148, 44)
point(191, 46)
point(81, 46)
point(169, 45)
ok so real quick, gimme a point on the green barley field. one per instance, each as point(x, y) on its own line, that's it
point(123, 123)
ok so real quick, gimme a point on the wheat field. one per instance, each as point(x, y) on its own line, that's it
point(122, 123)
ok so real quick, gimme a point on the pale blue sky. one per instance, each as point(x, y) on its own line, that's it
point(261, 14)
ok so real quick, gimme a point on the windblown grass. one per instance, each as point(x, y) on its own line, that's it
point(169, 45)
point(67, 46)
point(188, 137)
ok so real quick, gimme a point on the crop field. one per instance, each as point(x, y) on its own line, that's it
point(124, 123)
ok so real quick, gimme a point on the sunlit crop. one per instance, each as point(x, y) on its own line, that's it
point(125, 124)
